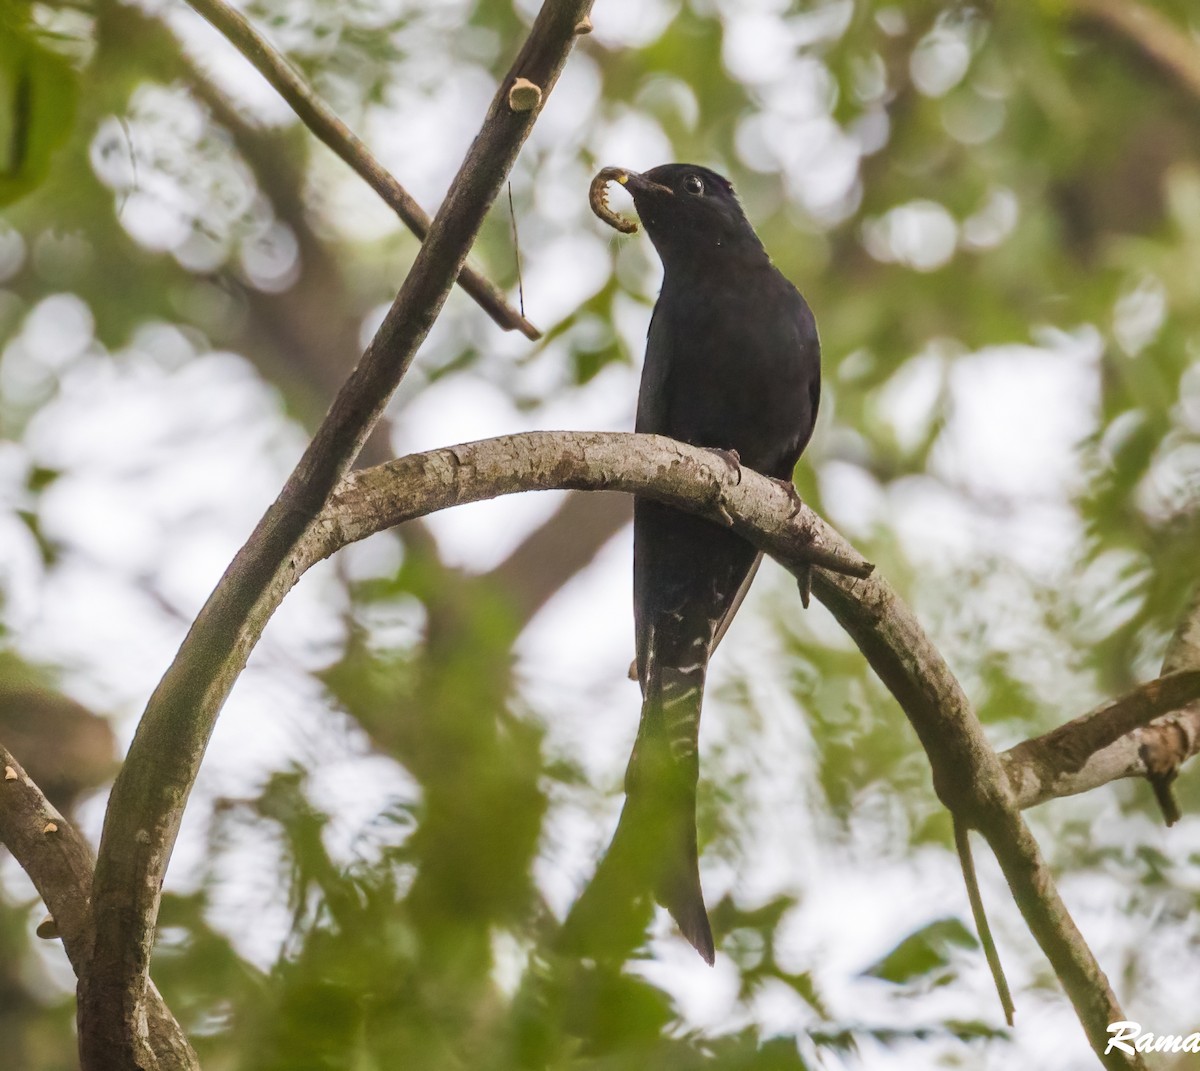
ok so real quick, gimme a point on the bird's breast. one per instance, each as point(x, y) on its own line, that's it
point(732, 365)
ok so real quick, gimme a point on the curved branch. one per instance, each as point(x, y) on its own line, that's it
point(967, 772)
point(971, 782)
point(688, 477)
point(150, 793)
point(968, 775)
point(315, 114)
point(59, 863)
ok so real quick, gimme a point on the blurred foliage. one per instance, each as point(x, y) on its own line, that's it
point(37, 102)
point(924, 954)
point(955, 187)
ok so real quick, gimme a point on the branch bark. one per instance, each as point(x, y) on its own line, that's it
point(148, 798)
point(315, 114)
point(59, 863)
point(688, 477)
point(1110, 742)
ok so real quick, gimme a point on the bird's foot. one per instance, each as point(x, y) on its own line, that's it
point(793, 496)
point(734, 463)
point(732, 460)
point(804, 574)
point(804, 582)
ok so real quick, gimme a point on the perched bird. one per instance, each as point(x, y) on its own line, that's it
point(732, 363)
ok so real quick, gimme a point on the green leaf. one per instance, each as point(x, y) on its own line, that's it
point(38, 92)
point(923, 952)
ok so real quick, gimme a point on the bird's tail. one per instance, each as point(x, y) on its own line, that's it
point(661, 777)
point(653, 851)
point(660, 786)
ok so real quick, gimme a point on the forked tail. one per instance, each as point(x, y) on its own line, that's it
point(660, 785)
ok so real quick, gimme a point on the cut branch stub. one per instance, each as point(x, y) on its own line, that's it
point(524, 95)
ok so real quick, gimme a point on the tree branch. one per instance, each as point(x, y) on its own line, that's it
point(687, 477)
point(1102, 745)
point(315, 114)
point(967, 773)
point(59, 863)
point(970, 781)
point(150, 793)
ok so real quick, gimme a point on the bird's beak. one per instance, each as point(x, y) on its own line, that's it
point(637, 183)
point(634, 182)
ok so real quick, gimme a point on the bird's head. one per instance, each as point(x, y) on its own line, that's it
point(688, 211)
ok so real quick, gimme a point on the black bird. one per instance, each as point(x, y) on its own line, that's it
point(732, 363)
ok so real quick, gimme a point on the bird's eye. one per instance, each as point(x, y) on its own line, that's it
point(694, 184)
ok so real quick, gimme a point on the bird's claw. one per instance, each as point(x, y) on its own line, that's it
point(732, 459)
point(804, 577)
point(733, 463)
point(794, 497)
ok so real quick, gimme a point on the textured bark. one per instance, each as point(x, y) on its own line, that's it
point(1148, 732)
point(970, 780)
point(968, 774)
point(691, 478)
point(59, 863)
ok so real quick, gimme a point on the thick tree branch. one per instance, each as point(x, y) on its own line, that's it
point(967, 772)
point(685, 476)
point(150, 793)
point(315, 114)
point(59, 863)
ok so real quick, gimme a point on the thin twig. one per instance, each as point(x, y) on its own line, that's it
point(315, 114)
point(149, 796)
point(962, 845)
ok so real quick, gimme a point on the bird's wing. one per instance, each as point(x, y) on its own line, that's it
point(736, 604)
point(654, 392)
